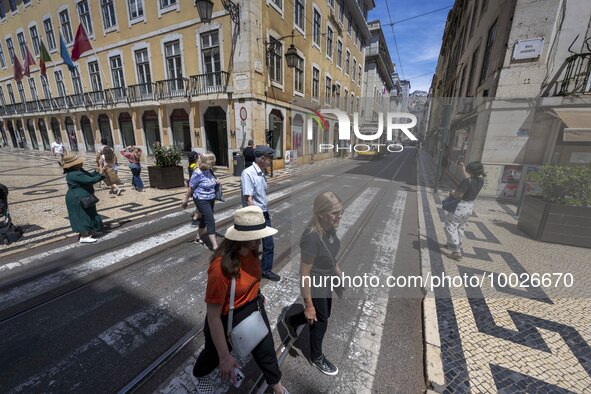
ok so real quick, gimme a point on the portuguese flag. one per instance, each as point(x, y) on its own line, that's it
point(44, 58)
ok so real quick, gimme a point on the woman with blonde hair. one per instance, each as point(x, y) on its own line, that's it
point(234, 278)
point(319, 246)
point(202, 188)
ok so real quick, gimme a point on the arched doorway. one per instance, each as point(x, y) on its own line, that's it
point(55, 129)
point(151, 130)
point(10, 128)
point(44, 135)
point(126, 128)
point(71, 132)
point(105, 129)
point(297, 134)
point(181, 130)
point(20, 135)
point(3, 133)
point(32, 135)
point(216, 141)
point(276, 132)
point(87, 133)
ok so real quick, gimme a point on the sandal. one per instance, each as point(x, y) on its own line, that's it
point(199, 241)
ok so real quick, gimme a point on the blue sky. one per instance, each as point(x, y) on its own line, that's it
point(419, 40)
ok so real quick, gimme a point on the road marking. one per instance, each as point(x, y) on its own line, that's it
point(278, 295)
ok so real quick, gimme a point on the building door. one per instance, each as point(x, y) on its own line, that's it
point(55, 129)
point(276, 132)
point(87, 133)
point(10, 128)
point(297, 135)
point(105, 129)
point(31, 128)
point(20, 135)
point(44, 135)
point(4, 138)
point(71, 132)
point(214, 122)
point(151, 130)
point(181, 130)
point(126, 128)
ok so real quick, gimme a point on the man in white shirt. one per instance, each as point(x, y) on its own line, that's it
point(57, 148)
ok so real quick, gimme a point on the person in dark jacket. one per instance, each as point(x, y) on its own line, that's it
point(84, 221)
point(248, 154)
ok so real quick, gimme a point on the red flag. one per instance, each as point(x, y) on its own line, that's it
point(81, 43)
point(29, 60)
point(18, 69)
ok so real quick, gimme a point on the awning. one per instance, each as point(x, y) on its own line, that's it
point(578, 123)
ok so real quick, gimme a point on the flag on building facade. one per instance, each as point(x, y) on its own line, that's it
point(18, 69)
point(44, 58)
point(29, 61)
point(65, 54)
point(81, 43)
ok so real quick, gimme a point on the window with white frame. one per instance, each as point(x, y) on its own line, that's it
point(2, 58)
point(355, 32)
point(2, 10)
point(349, 23)
point(33, 89)
point(59, 81)
point(167, 3)
point(278, 3)
point(144, 77)
point(347, 62)
point(2, 99)
point(10, 48)
point(315, 82)
point(359, 75)
point(317, 26)
point(84, 14)
point(108, 11)
point(346, 102)
point(298, 81)
point(337, 97)
point(174, 66)
point(341, 10)
point(299, 14)
point(327, 90)
point(66, 28)
point(10, 94)
point(329, 38)
point(136, 9)
point(12, 5)
point(45, 86)
point(76, 81)
point(26, 2)
point(339, 53)
point(21, 43)
point(50, 37)
point(352, 102)
point(276, 61)
point(95, 76)
point(354, 69)
point(35, 39)
point(210, 56)
point(331, 3)
point(117, 71)
point(21, 91)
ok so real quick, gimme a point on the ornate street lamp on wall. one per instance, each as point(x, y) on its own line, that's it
point(205, 9)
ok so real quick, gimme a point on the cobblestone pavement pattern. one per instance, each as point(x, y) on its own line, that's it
point(525, 339)
point(37, 191)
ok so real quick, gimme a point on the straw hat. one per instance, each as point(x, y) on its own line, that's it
point(72, 160)
point(249, 224)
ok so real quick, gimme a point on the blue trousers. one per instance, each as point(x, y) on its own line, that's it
point(136, 170)
point(268, 248)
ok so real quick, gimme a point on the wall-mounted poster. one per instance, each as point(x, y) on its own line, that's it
point(492, 180)
point(510, 181)
point(532, 186)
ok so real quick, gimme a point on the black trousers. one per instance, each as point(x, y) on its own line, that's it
point(263, 354)
point(318, 329)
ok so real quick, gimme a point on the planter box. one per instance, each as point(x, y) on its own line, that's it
point(555, 223)
point(166, 177)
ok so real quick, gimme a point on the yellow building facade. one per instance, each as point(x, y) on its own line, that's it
point(158, 73)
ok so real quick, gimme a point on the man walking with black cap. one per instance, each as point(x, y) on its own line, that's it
point(254, 192)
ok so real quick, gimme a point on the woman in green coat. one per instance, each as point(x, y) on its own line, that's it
point(84, 221)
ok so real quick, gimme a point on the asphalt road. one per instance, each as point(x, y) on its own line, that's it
point(99, 337)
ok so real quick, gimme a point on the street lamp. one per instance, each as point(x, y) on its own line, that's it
point(291, 55)
point(205, 9)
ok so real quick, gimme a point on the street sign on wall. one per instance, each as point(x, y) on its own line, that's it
point(528, 49)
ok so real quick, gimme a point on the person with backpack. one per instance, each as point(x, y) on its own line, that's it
point(107, 165)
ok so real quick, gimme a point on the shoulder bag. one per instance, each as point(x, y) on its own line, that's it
point(219, 193)
point(339, 290)
point(450, 204)
point(249, 332)
point(89, 201)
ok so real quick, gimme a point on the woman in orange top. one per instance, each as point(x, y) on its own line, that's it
point(237, 256)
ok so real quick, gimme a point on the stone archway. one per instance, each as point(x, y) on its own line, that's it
point(71, 133)
point(216, 132)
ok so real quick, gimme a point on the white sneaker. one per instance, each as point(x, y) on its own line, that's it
point(87, 240)
point(118, 192)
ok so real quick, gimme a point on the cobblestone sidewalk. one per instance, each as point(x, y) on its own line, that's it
point(37, 191)
point(522, 336)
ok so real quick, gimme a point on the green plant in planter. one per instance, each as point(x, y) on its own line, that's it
point(167, 156)
point(565, 185)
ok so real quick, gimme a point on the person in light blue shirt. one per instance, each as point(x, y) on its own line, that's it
point(202, 188)
point(254, 192)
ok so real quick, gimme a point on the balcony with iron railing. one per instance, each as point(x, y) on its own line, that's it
point(577, 77)
point(176, 88)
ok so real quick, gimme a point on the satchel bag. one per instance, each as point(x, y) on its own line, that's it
point(249, 332)
point(111, 177)
point(89, 201)
point(450, 204)
point(341, 289)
